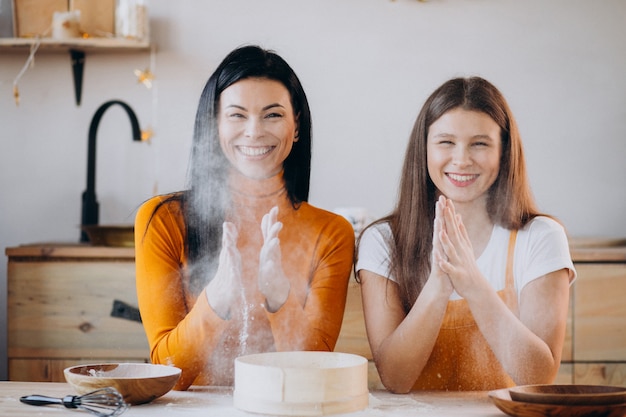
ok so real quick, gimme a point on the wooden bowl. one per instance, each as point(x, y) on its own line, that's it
point(301, 383)
point(502, 399)
point(569, 394)
point(139, 383)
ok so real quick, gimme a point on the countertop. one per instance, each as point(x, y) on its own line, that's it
point(581, 249)
point(218, 402)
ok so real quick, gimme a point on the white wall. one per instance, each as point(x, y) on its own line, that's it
point(367, 66)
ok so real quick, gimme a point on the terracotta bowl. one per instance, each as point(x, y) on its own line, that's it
point(139, 383)
point(569, 394)
point(301, 383)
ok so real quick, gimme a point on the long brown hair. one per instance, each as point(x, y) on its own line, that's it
point(510, 201)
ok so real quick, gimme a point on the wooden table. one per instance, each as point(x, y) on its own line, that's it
point(218, 401)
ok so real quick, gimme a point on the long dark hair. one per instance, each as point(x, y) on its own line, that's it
point(510, 201)
point(206, 200)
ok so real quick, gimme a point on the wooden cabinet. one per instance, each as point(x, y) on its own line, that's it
point(600, 313)
point(61, 313)
point(69, 305)
point(353, 336)
point(599, 323)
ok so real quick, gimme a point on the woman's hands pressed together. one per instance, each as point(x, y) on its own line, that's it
point(453, 251)
point(437, 273)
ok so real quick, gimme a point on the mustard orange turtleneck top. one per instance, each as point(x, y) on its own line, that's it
point(317, 253)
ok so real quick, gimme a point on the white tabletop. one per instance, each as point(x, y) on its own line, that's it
point(218, 401)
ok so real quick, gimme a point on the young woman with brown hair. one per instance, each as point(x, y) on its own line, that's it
point(465, 284)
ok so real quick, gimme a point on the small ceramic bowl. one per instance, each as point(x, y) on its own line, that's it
point(139, 383)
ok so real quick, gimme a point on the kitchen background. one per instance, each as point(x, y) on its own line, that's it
point(366, 65)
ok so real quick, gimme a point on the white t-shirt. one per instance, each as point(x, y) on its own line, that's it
point(541, 247)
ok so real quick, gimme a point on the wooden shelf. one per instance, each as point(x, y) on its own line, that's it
point(64, 45)
point(77, 48)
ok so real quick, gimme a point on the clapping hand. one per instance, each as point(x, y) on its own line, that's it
point(226, 285)
point(272, 281)
point(438, 254)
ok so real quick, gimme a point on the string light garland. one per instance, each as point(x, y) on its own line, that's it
point(30, 62)
point(146, 78)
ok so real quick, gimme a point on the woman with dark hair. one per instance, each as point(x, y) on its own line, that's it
point(465, 284)
point(239, 262)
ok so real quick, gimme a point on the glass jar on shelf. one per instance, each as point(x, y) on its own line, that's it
point(131, 20)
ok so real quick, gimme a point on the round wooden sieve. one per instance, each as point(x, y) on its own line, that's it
point(301, 383)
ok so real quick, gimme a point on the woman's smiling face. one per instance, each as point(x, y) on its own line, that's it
point(463, 149)
point(257, 126)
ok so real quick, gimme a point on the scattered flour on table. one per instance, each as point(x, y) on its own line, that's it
point(395, 406)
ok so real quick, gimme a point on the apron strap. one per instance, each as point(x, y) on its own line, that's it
point(510, 259)
point(509, 287)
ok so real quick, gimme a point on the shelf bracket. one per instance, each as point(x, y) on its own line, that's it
point(78, 63)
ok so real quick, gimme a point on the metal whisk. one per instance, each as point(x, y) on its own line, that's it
point(104, 402)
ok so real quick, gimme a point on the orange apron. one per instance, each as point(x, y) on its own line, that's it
point(461, 359)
